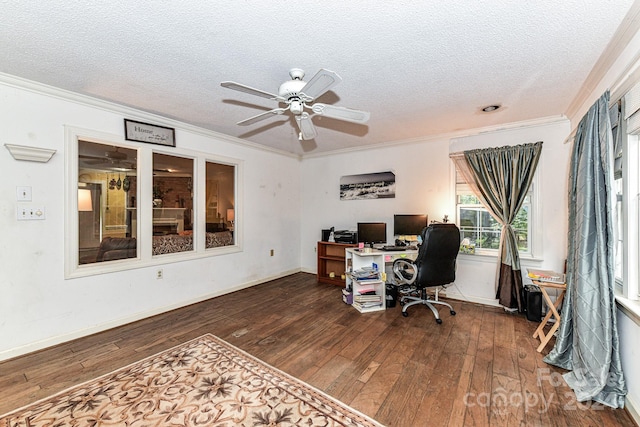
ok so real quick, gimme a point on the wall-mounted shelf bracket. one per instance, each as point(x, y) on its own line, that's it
point(30, 154)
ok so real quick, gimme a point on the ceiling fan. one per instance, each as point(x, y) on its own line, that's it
point(298, 95)
point(111, 158)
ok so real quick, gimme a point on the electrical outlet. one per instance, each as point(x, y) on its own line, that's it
point(159, 274)
point(29, 213)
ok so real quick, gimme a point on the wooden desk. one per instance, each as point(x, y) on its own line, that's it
point(553, 311)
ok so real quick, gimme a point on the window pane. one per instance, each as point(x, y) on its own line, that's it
point(106, 194)
point(172, 204)
point(220, 204)
point(489, 231)
point(480, 230)
point(619, 254)
point(468, 199)
point(521, 227)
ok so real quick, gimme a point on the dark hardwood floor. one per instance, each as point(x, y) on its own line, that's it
point(478, 368)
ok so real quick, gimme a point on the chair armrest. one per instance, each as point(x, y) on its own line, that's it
point(405, 271)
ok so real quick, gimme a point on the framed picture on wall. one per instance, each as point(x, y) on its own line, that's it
point(152, 134)
point(379, 185)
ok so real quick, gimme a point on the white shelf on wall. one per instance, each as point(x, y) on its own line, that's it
point(30, 154)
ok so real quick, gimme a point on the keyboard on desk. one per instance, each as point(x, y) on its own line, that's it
point(398, 248)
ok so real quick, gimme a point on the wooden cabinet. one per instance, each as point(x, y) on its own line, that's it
point(331, 259)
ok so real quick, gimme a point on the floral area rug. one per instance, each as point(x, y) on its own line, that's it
point(203, 382)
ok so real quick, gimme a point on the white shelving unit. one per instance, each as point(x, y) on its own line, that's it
point(373, 262)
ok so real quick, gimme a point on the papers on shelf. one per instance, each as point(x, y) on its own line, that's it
point(366, 290)
point(546, 276)
point(367, 298)
point(366, 274)
point(366, 305)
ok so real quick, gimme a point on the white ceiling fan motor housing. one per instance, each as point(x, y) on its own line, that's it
point(291, 88)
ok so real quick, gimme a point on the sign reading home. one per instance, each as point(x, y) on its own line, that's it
point(153, 134)
point(379, 185)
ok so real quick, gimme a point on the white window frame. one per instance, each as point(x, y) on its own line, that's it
point(535, 223)
point(628, 287)
point(144, 167)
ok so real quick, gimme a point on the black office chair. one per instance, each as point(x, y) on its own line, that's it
point(435, 265)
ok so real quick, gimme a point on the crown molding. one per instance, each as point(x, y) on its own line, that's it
point(130, 113)
point(136, 114)
point(448, 136)
point(623, 36)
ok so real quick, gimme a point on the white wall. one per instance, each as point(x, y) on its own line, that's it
point(424, 185)
point(39, 307)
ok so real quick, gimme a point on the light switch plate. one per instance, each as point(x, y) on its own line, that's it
point(29, 213)
point(23, 194)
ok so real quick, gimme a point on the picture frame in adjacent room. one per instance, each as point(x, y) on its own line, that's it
point(146, 132)
point(378, 185)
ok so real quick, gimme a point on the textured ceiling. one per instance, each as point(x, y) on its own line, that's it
point(421, 68)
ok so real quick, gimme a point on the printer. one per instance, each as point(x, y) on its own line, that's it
point(340, 236)
point(345, 236)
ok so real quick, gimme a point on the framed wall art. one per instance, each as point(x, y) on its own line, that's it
point(152, 134)
point(379, 185)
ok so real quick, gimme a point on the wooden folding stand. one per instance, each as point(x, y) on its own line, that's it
point(553, 311)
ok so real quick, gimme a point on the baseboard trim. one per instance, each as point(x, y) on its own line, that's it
point(447, 293)
point(631, 409)
point(60, 339)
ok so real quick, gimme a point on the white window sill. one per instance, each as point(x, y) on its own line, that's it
point(629, 307)
point(492, 256)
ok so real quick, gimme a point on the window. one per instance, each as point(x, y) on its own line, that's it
point(220, 209)
point(132, 205)
point(480, 232)
point(172, 204)
point(107, 185)
point(627, 188)
point(618, 186)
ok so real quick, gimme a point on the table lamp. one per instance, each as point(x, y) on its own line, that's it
point(85, 204)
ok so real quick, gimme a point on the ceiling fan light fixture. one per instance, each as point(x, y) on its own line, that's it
point(491, 108)
point(298, 95)
point(296, 107)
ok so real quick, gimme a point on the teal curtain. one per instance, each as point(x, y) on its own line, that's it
point(587, 343)
point(502, 177)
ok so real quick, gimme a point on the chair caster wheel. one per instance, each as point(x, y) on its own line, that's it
point(439, 321)
point(453, 313)
point(405, 314)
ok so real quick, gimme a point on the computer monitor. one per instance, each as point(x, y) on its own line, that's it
point(409, 225)
point(372, 232)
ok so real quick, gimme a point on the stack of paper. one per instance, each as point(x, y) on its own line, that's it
point(546, 276)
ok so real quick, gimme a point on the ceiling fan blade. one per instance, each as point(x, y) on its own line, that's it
point(262, 116)
point(307, 129)
point(252, 91)
point(319, 84)
point(341, 113)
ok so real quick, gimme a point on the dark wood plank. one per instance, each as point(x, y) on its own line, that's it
point(403, 371)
